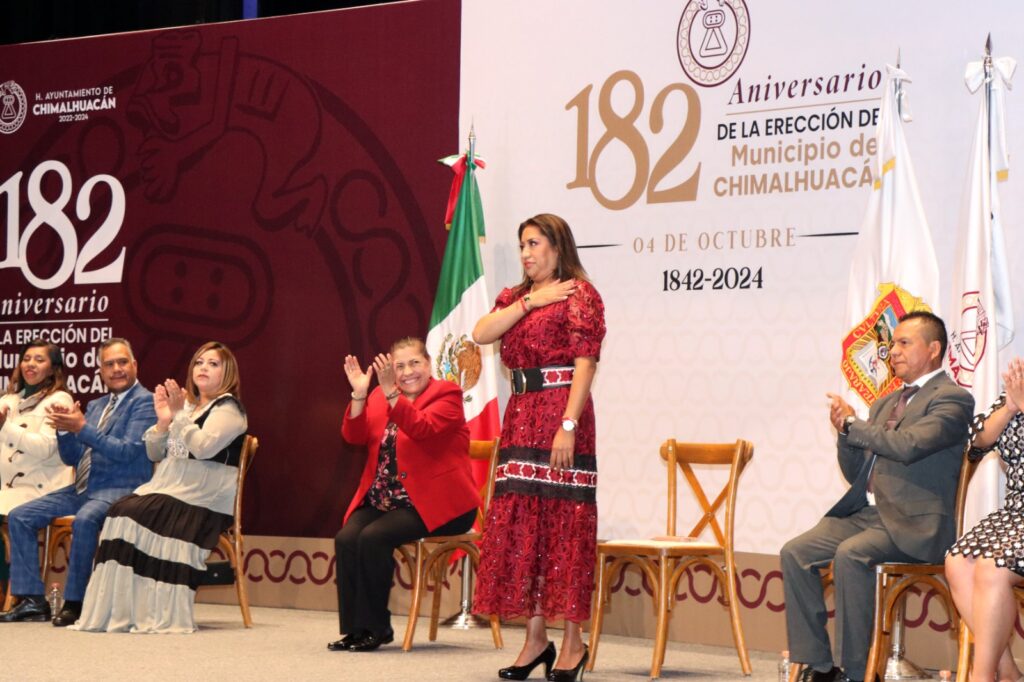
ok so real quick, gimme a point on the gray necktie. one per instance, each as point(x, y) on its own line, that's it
point(85, 463)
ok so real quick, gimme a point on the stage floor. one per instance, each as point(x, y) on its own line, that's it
point(286, 644)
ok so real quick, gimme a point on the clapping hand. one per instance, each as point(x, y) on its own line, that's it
point(1013, 381)
point(3, 415)
point(385, 372)
point(357, 378)
point(838, 411)
point(64, 418)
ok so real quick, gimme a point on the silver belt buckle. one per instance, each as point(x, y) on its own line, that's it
point(518, 382)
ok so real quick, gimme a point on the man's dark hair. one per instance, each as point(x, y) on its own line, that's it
point(934, 328)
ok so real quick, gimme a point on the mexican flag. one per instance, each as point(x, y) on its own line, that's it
point(461, 300)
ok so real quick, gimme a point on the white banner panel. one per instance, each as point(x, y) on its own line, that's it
point(716, 157)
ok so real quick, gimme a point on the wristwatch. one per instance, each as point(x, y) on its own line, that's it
point(847, 423)
point(568, 424)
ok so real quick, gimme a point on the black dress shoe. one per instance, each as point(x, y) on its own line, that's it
point(521, 672)
point(68, 614)
point(811, 675)
point(346, 642)
point(28, 609)
point(570, 674)
point(372, 642)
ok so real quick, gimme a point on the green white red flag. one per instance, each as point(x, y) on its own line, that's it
point(461, 300)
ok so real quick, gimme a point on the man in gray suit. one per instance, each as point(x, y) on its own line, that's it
point(902, 465)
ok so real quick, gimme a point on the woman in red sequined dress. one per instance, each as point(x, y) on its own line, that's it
point(539, 545)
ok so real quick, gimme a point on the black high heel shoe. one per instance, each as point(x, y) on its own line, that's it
point(570, 674)
point(521, 672)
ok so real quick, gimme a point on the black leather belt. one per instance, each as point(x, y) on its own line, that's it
point(529, 379)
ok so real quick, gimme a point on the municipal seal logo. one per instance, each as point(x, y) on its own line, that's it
point(967, 346)
point(13, 107)
point(459, 360)
point(712, 39)
point(865, 362)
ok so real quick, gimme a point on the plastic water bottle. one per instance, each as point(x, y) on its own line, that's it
point(945, 675)
point(53, 598)
point(784, 666)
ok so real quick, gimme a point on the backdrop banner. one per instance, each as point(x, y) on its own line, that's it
point(715, 159)
point(269, 184)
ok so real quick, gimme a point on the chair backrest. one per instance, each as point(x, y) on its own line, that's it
point(485, 450)
point(249, 447)
point(683, 456)
point(967, 470)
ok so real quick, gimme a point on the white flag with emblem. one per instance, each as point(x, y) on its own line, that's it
point(894, 270)
point(981, 312)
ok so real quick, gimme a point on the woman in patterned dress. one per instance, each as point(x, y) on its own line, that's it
point(539, 546)
point(155, 542)
point(986, 563)
point(416, 482)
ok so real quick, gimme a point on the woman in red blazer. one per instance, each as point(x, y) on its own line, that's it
point(416, 482)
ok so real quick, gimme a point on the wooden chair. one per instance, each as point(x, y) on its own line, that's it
point(664, 560)
point(8, 600)
point(430, 555)
point(231, 542)
point(893, 582)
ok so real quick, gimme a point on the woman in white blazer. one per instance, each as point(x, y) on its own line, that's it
point(29, 464)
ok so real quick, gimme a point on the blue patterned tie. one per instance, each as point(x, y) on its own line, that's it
point(85, 463)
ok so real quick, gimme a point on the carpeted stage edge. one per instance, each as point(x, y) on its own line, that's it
point(299, 573)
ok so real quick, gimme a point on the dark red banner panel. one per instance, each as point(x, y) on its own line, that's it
point(270, 184)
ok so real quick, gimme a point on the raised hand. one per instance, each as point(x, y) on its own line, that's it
point(164, 415)
point(1013, 381)
point(64, 418)
point(385, 372)
point(838, 410)
point(175, 396)
point(357, 378)
point(559, 291)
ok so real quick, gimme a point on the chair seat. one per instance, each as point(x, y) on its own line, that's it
point(662, 546)
point(892, 568)
point(462, 537)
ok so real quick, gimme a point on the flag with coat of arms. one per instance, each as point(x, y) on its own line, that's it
point(981, 315)
point(894, 270)
point(461, 300)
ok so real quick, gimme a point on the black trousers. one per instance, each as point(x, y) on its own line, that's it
point(364, 549)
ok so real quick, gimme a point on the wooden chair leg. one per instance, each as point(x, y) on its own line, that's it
point(794, 671)
point(732, 590)
point(661, 634)
point(414, 607)
point(240, 588)
point(964, 650)
point(499, 643)
point(439, 568)
point(879, 640)
point(597, 609)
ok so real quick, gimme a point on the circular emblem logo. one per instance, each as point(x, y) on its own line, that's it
point(712, 39)
point(13, 107)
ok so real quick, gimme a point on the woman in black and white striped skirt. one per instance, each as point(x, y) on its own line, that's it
point(155, 542)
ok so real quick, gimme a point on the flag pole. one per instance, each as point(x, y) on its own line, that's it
point(987, 66)
point(465, 619)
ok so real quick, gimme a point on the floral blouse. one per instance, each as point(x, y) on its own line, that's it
point(387, 492)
